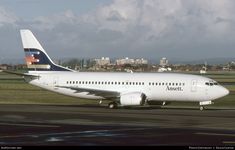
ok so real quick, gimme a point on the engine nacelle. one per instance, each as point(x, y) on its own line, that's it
point(132, 99)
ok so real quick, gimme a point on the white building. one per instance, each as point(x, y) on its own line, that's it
point(131, 61)
point(103, 61)
point(125, 61)
point(163, 62)
point(163, 69)
point(141, 61)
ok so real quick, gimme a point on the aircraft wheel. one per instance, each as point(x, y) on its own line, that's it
point(100, 102)
point(202, 108)
point(112, 105)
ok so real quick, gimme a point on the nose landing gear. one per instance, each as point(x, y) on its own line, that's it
point(202, 108)
point(203, 103)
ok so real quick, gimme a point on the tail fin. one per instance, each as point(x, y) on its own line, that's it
point(35, 56)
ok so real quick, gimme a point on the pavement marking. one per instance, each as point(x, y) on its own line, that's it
point(229, 142)
point(30, 125)
point(216, 134)
point(69, 133)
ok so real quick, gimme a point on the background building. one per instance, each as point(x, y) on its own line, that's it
point(163, 62)
point(139, 61)
point(125, 61)
point(103, 61)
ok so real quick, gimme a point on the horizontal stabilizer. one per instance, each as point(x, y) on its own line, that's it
point(20, 74)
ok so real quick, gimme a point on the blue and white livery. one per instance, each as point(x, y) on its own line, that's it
point(123, 89)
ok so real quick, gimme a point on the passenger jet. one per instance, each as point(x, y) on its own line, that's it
point(122, 89)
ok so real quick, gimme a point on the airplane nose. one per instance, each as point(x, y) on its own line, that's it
point(224, 91)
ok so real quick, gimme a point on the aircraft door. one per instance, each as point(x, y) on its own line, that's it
point(207, 92)
point(55, 81)
point(194, 85)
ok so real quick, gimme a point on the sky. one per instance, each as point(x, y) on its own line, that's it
point(151, 29)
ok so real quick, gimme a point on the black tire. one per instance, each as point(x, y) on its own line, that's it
point(113, 105)
point(202, 108)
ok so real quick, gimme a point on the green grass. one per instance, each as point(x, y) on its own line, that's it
point(13, 90)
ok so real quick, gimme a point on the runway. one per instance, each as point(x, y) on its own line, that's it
point(97, 125)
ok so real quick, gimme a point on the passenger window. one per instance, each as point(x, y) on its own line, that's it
point(156, 83)
point(169, 83)
point(162, 83)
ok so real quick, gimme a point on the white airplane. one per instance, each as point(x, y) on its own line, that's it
point(123, 89)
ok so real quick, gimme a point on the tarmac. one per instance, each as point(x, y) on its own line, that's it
point(91, 125)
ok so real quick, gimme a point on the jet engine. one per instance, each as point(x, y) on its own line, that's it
point(132, 99)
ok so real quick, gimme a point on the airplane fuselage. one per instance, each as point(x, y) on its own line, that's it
point(156, 86)
point(125, 89)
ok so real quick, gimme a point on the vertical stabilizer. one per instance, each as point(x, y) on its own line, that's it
point(35, 56)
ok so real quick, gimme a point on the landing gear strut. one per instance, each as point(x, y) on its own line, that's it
point(113, 105)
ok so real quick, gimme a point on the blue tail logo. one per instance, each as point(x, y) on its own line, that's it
point(38, 61)
point(35, 56)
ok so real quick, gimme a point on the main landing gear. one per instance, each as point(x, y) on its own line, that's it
point(113, 105)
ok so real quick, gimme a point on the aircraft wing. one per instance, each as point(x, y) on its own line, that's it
point(97, 92)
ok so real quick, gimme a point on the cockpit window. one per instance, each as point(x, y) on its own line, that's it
point(211, 83)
